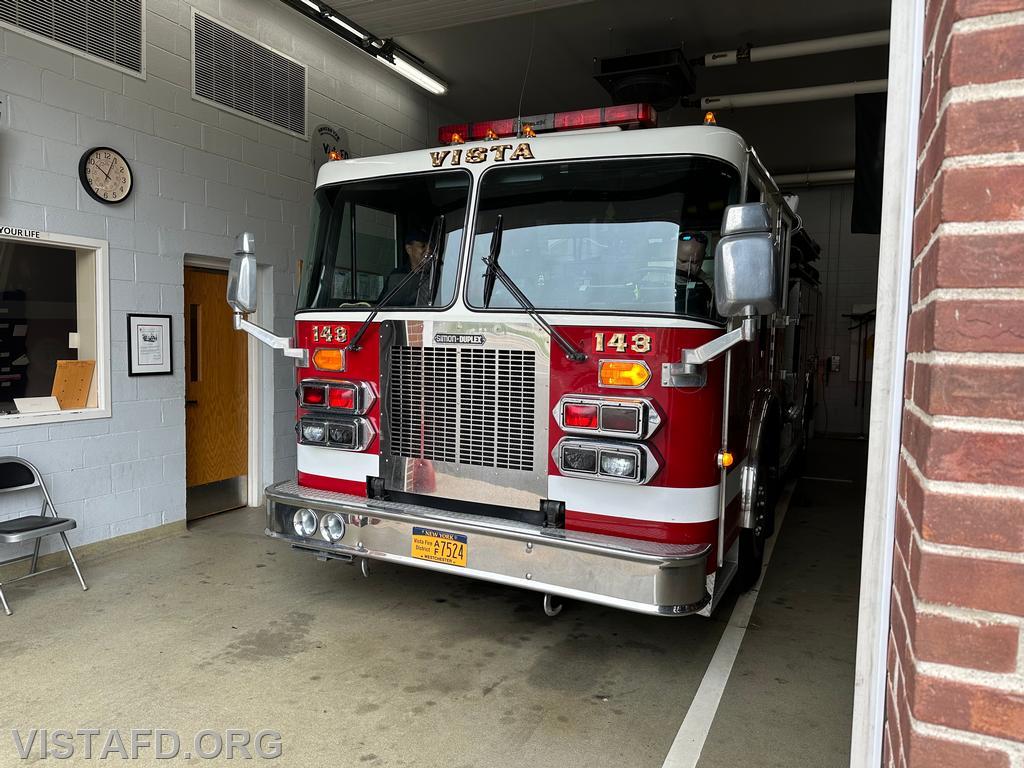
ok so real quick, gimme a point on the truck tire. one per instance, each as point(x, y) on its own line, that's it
point(751, 542)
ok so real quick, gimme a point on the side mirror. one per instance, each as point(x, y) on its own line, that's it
point(746, 266)
point(242, 275)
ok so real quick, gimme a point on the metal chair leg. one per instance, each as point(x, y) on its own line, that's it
point(35, 555)
point(67, 546)
point(7, 608)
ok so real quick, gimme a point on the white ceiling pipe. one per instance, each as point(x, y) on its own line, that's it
point(814, 177)
point(793, 95)
point(800, 48)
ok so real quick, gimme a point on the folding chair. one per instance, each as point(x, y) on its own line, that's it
point(19, 475)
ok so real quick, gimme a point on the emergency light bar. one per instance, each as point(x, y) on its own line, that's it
point(624, 115)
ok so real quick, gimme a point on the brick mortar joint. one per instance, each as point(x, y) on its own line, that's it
point(970, 93)
point(1008, 360)
point(983, 23)
point(949, 488)
point(968, 229)
point(972, 424)
point(1011, 683)
point(975, 92)
point(944, 733)
point(956, 162)
point(968, 294)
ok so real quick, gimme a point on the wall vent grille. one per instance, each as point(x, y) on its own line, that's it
point(110, 30)
point(236, 72)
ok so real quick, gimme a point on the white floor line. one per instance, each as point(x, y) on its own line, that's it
point(693, 732)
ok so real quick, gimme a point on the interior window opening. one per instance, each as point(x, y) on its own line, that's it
point(48, 337)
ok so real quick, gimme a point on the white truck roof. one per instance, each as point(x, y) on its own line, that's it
point(477, 156)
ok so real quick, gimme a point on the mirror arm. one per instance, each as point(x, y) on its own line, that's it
point(690, 371)
point(274, 342)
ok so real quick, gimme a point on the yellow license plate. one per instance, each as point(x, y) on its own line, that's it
point(439, 546)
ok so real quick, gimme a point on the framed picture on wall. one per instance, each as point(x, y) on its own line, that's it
point(149, 345)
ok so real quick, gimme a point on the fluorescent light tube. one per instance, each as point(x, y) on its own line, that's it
point(312, 5)
point(411, 72)
point(346, 25)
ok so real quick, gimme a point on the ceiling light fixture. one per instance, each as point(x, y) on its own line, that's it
point(411, 72)
point(401, 62)
point(345, 25)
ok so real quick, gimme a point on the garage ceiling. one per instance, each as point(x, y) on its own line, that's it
point(402, 17)
point(482, 48)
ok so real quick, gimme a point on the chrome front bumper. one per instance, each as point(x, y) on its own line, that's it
point(642, 576)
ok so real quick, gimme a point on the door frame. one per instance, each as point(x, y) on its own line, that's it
point(895, 260)
point(259, 370)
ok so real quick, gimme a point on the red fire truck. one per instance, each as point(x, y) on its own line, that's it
point(568, 354)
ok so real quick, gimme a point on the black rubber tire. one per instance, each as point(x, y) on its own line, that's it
point(751, 542)
point(751, 554)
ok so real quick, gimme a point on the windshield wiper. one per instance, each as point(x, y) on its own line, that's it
point(495, 271)
point(431, 258)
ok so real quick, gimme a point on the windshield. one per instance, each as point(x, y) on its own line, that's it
point(369, 235)
point(629, 234)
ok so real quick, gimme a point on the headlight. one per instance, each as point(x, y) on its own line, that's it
point(579, 459)
point(304, 521)
point(619, 461)
point(616, 464)
point(314, 432)
point(332, 527)
point(343, 435)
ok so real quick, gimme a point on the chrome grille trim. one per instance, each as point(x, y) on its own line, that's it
point(464, 405)
point(423, 403)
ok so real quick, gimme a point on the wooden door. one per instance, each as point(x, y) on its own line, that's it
point(216, 397)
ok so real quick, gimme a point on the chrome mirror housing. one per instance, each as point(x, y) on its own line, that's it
point(242, 275)
point(746, 263)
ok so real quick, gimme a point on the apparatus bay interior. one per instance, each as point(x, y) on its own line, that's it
point(434, 670)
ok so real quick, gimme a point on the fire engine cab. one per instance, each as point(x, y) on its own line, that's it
point(569, 354)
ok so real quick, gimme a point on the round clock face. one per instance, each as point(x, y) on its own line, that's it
point(105, 175)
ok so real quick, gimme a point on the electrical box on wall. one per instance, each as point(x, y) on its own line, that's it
point(835, 363)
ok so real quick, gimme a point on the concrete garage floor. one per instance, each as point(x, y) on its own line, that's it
point(222, 628)
point(789, 701)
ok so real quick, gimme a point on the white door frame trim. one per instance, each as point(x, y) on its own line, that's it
point(257, 444)
point(893, 307)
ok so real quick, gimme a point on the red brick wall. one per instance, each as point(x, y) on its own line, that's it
point(956, 659)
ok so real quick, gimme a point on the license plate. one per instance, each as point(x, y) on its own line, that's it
point(439, 546)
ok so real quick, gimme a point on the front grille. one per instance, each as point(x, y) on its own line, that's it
point(423, 403)
point(470, 406)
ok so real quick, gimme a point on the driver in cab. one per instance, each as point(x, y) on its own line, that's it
point(414, 293)
point(695, 295)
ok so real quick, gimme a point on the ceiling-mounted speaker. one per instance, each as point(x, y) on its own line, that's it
point(658, 78)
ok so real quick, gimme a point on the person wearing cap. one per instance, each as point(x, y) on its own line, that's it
point(414, 293)
point(694, 293)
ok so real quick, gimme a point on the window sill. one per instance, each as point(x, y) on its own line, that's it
point(52, 417)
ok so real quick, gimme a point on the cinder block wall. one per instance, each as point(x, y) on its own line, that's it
point(956, 659)
point(201, 176)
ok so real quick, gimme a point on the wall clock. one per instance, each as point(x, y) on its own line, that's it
point(105, 174)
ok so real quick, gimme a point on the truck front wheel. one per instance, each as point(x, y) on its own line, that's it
point(751, 543)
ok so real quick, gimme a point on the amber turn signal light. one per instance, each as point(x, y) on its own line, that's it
point(725, 459)
point(623, 373)
point(329, 359)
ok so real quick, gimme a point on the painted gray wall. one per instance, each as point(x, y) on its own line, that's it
point(849, 277)
point(201, 176)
